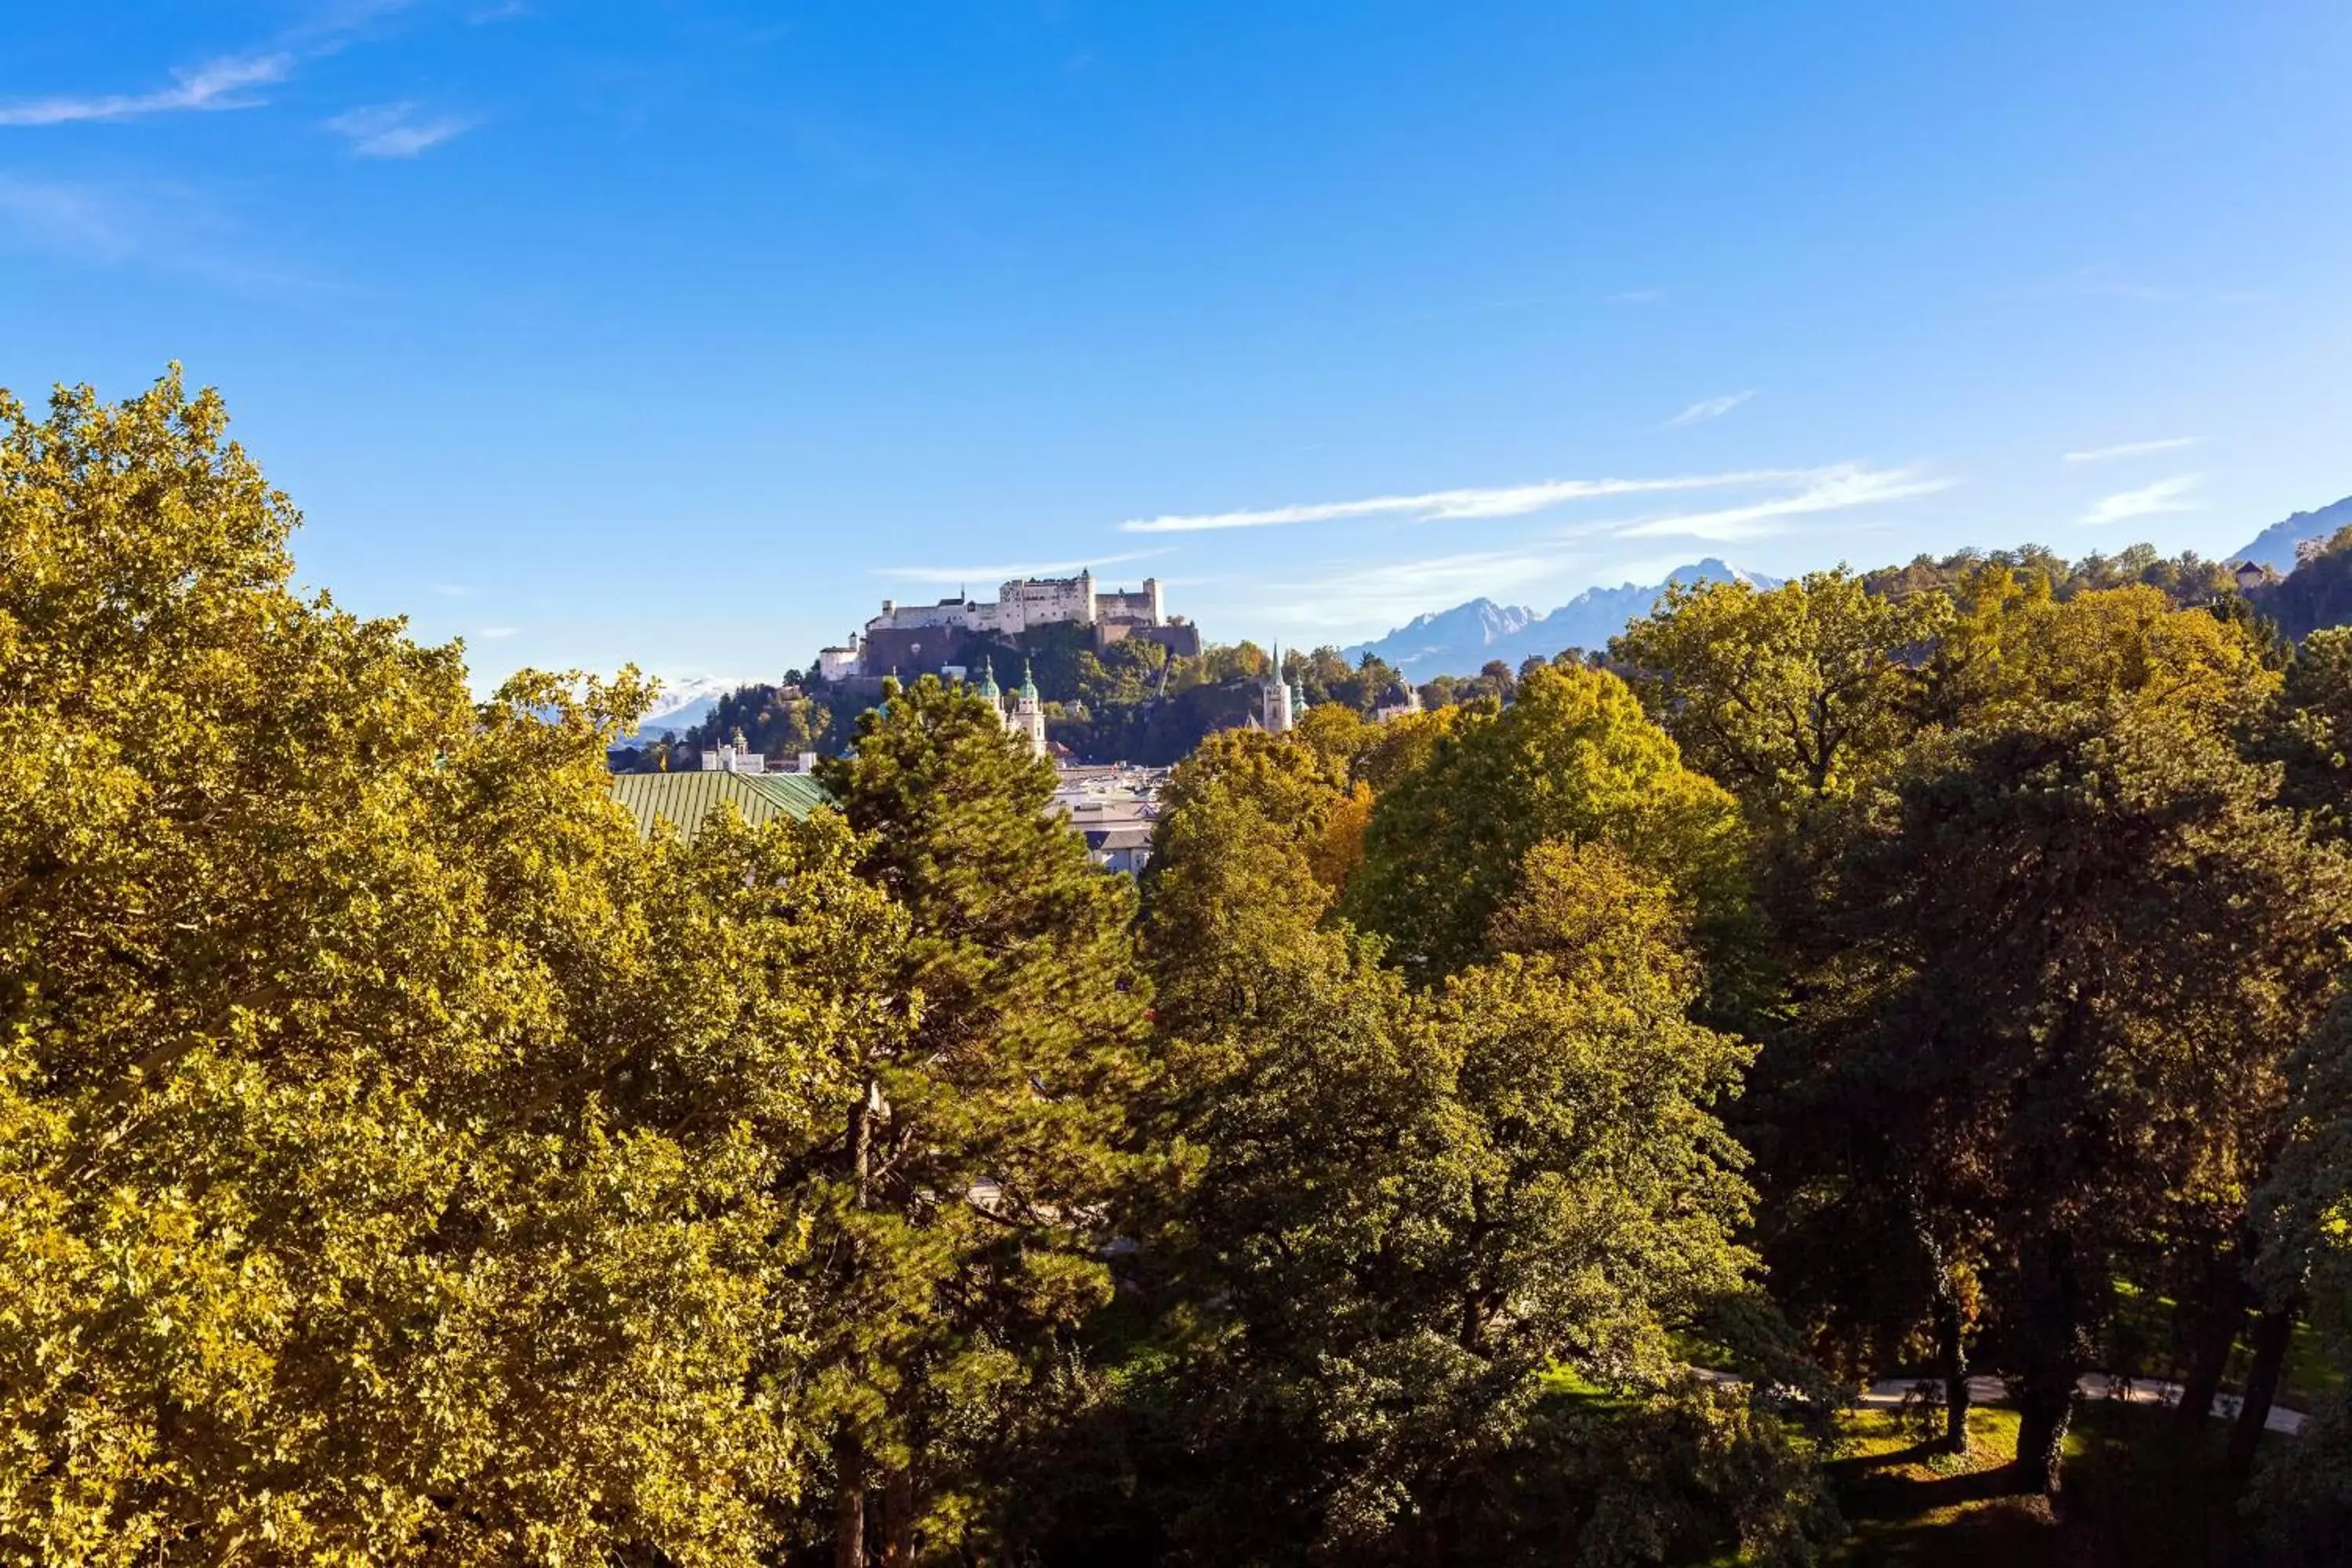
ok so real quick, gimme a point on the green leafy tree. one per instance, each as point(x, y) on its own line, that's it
point(1575, 758)
point(1430, 1245)
point(978, 1153)
point(2301, 1497)
point(1787, 696)
point(2310, 733)
point(2090, 945)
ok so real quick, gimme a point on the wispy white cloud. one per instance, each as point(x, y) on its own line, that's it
point(73, 219)
point(2164, 495)
point(2133, 450)
point(1835, 488)
point(1434, 506)
point(1707, 409)
point(174, 229)
point(226, 83)
point(452, 590)
point(396, 129)
point(989, 576)
point(492, 633)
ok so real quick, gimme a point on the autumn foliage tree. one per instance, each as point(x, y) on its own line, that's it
point(397, 1151)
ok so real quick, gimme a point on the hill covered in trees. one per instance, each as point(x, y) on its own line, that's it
point(1135, 702)
point(1506, 1134)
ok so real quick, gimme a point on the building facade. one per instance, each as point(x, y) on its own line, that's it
point(915, 639)
point(1025, 715)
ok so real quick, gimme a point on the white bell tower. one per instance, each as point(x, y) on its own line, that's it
point(1276, 698)
point(1028, 714)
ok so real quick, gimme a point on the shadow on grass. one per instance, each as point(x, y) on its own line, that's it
point(2140, 1492)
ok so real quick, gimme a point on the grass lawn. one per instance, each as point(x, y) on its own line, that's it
point(2138, 1491)
point(2139, 1335)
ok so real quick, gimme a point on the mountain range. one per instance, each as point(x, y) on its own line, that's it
point(1459, 640)
point(2274, 546)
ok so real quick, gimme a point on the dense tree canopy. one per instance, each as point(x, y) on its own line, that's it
point(394, 1144)
point(1573, 757)
point(1423, 1229)
point(1470, 1143)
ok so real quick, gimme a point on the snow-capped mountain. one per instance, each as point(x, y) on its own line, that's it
point(1459, 640)
point(686, 702)
point(1449, 633)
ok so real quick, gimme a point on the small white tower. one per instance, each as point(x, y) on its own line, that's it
point(1276, 698)
point(1028, 714)
point(989, 692)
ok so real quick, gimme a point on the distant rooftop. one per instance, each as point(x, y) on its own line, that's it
point(684, 800)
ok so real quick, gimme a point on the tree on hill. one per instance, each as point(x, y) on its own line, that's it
point(2316, 593)
point(774, 721)
point(2186, 580)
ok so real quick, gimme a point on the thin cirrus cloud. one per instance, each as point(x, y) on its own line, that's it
point(2164, 495)
point(220, 84)
point(68, 219)
point(1707, 409)
point(396, 129)
point(1442, 506)
point(992, 575)
point(173, 228)
point(492, 633)
point(2133, 450)
point(1838, 488)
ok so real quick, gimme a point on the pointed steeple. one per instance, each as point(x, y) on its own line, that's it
point(988, 683)
point(1028, 685)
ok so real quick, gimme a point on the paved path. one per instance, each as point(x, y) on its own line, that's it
point(2095, 1385)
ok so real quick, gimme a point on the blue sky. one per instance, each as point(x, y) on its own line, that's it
point(683, 334)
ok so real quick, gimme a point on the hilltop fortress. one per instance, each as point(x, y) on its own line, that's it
point(919, 639)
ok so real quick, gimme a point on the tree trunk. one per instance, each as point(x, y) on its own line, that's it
point(899, 1487)
point(848, 1499)
point(1951, 1335)
point(2273, 1329)
point(2218, 1314)
point(2053, 1361)
point(1952, 1364)
point(898, 1517)
point(848, 1448)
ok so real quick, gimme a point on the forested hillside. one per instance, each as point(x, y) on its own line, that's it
point(1135, 703)
point(1514, 1133)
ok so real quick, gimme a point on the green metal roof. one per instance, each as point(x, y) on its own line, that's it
point(685, 799)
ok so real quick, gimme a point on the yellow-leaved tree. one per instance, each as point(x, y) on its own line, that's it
point(399, 1160)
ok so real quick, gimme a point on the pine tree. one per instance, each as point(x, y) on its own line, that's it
point(980, 1152)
